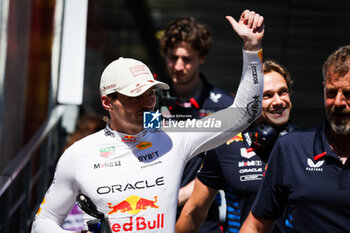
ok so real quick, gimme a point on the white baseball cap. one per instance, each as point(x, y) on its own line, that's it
point(128, 77)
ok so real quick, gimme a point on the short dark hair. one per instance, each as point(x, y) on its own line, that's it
point(187, 29)
point(113, 95)
point(338, 61)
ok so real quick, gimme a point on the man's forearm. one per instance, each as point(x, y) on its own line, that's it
point(189, 222)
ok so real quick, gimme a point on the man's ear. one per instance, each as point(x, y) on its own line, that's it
point(106, 103)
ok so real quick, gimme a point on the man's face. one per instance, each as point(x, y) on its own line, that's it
point(183, 63)
point(127, 112)
point(276, 102)
point(337, 101)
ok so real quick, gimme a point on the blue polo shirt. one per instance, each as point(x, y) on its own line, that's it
point(306, 176)
point(237, 169)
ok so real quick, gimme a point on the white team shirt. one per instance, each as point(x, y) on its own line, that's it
point(134, 179)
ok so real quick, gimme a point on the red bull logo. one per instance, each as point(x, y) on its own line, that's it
point(236, 138)
point(133, 204)
point(140, 224)
point(128, 138)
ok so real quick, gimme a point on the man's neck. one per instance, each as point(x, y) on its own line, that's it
point(339, 144)
point(190, 90)
point(131, 129)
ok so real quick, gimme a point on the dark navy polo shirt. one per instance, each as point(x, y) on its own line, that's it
point(238, 170)
point(306, 176)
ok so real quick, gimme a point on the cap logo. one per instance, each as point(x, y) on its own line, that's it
point(138, 88)
point(138, 70)
point(109, 87)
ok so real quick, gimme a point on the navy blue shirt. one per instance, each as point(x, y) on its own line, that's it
point(237, 168)
point(306, 176)
point(211, 100)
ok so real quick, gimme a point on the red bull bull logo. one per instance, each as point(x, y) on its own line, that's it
point(128, 138)
point(133, 204)
point(236, 138)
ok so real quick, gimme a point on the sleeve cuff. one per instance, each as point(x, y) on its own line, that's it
point(253, 57)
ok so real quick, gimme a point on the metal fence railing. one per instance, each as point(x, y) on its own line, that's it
point(25, 180)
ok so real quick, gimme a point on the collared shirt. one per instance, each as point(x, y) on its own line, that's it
point(306, 176)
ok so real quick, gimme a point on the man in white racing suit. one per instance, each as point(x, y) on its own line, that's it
point(133, 174)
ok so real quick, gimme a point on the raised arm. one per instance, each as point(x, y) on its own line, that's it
point(247, 105)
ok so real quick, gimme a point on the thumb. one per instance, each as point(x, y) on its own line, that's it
point(233, 22)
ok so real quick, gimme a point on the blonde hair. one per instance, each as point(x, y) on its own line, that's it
point(270, 65)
